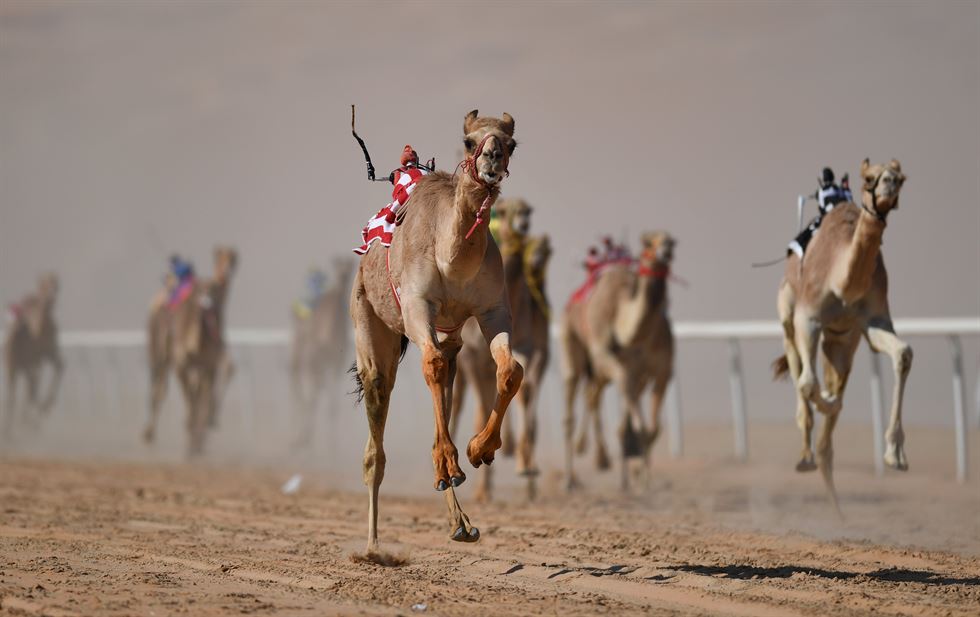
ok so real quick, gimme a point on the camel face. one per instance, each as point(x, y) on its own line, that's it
point(882, 184)
point(47, 287)
point(518, 217)
point(225, 262)
point(658, 247)
point(491, 142)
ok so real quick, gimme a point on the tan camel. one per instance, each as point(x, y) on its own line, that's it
point(620, 333)
point(30, 341)
point(190, 339)
point(838, 294)
point(442, 268)
point(319, 348)
point(525, 261)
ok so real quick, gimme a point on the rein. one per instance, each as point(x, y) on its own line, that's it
point(873, 210)
point(469, 165)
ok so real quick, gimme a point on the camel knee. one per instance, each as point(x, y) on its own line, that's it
point(435, 367)
point(903, 359)
point(509, 378)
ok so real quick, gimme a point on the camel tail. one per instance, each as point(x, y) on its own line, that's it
point(780, 368)
point(358, 391)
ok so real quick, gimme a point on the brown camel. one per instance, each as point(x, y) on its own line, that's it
point(190, 339)
point(319, 347)
point(525, 261)
point(31, 340)
point(621, 333)
point(837, 294)
point(441, 269)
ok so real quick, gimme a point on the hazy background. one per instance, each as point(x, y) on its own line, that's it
point(132, 129)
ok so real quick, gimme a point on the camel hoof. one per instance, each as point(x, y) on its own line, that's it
point(895, 458)
point(457, 480)
point(530, 472)
point(806, 464)
point(441, 485)
point(602, 461)
point(148, 436)
point(461, 535)
point(480, 454)
point(572, 485)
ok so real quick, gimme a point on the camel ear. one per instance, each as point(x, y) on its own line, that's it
point(865, 164)
point(508, 124)
point(894, 164)
point(468, 123)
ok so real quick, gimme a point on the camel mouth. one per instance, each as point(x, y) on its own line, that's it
point(490, 177)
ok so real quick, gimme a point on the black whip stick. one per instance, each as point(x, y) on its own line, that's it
point(367, 157)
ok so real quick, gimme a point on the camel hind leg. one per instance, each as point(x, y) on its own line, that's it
point(883, 338)
point(574, 368)
point(804, 413)
point(378, 352)
point(838, 355)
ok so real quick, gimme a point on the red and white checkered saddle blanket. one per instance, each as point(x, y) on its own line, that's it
point(382, 225)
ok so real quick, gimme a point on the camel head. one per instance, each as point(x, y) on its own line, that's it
point(47, 287)
point(658, 249)
point(489, 144)
point(882, 183)
point(225, 262)
point(515, 215)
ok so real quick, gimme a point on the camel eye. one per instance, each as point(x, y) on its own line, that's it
point(511, 146)
point(469, 144)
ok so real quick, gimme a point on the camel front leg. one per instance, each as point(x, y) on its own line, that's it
point(59, 368)
point(159, 376)
point(807, 337)
point(10, 400)
point(496, 329)
point(438, 369)
point(883, 338)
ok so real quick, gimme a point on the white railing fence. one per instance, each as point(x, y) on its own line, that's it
point(730, 331)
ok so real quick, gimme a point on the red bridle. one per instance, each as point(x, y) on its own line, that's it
point(469, 165)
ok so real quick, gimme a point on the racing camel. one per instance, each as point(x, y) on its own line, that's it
point(525, 261)
point(189, 338)
point(319, 348)
point(441, 269)
point(31, 340)
point(618, 331)
point(837, 295)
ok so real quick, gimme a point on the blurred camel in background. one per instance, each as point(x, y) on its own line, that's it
point(525, 261)
point(319, 343)
point(31, 340)
point(831, 298)
point(188, 337)
point(619, 331)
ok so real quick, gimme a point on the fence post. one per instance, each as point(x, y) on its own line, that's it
point(675, 431)
point(959, 407)
point(877, 409)
point(737, 388)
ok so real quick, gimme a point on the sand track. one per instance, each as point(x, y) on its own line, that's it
point(114, 539)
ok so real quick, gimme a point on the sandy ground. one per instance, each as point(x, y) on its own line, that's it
point(152, 538)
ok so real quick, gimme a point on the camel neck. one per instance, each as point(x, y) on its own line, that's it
point(862, 257)
point(459, 258)
point(646, 301)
